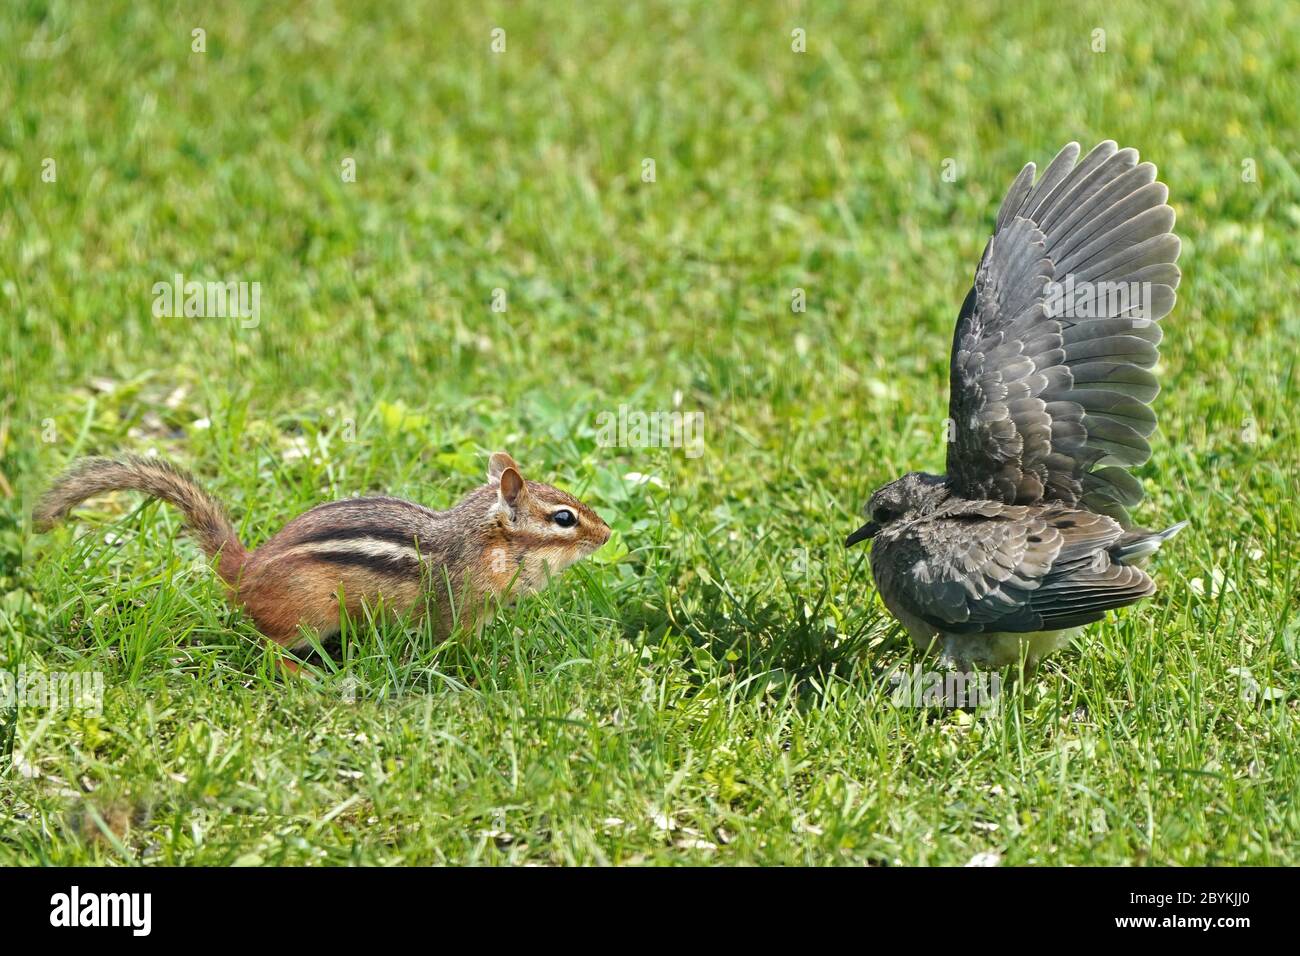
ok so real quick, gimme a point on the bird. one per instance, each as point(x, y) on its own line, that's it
point(1027, 536)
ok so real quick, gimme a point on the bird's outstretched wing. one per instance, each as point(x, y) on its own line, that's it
point(999, 568)
point(1050, 374)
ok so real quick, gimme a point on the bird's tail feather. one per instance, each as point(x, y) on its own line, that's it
point(1139, 544)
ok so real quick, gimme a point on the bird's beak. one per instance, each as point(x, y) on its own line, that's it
point(868, 530)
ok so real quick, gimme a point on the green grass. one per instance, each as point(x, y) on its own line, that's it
point(713, 689)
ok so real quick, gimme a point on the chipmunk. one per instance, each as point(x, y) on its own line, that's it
point(502, 541)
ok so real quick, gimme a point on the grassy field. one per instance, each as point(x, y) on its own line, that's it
point(713, 687)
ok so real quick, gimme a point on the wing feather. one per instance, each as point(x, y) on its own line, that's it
point(1020, 569)
point(1050, 380)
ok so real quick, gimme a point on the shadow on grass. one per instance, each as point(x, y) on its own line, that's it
point(786, 635)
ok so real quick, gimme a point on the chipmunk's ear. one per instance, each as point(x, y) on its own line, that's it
point(498, 463)
point(512, 489)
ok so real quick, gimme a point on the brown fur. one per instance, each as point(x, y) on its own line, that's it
point(498, 543)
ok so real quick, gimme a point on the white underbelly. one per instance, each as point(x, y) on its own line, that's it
point(989, 650)
point(1001, 649)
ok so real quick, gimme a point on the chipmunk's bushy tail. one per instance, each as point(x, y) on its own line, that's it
point(204, 516)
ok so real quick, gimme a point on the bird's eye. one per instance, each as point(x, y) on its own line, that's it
point(565, 518)
point(882, 515)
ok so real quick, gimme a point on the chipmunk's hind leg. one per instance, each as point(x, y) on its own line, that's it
point(284, 596)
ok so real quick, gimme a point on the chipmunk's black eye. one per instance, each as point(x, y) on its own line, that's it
point(565, 518)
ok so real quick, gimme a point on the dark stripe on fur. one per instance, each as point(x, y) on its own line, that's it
point(363, 504)
point(353, 532)
point(379, 563)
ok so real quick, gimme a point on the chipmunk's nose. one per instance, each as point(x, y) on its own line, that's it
point(605, 532)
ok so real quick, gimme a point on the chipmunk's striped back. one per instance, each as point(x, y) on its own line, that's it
point(381, 534)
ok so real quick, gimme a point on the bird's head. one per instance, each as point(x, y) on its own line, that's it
point(915, 494)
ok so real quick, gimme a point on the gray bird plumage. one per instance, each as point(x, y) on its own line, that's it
point(1027, 536)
